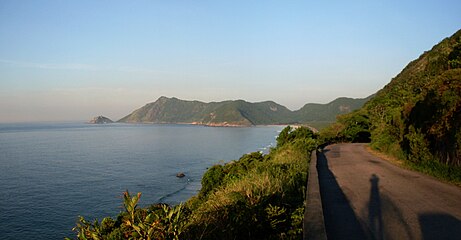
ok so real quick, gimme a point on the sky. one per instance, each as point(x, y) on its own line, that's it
point(73, 60)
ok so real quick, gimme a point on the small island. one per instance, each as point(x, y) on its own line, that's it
point(100, 120)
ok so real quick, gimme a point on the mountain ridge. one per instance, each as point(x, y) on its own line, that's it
point(172, 110)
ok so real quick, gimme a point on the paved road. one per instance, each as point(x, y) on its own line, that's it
point(365, 197)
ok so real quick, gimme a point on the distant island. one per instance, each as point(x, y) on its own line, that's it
point(238, 113)
point(100, 120)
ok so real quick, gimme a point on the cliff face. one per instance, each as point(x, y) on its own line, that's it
point(237, 113)
point(100, 120)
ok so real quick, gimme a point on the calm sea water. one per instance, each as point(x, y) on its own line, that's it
point(52, 173)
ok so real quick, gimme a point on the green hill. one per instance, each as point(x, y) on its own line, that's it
point(312, 112)
point(238, 113)
point(227, 113)
point(417, 116)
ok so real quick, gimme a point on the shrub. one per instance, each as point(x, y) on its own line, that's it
point(160, 222)
point(211, 180)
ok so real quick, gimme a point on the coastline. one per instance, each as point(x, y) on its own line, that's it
point(141, 158)
point(226, 124)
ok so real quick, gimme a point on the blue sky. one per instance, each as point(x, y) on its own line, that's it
point(72, 60)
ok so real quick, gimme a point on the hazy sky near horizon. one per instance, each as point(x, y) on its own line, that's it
point(72, 60)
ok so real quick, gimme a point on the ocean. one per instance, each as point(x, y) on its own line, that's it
point(51, 173)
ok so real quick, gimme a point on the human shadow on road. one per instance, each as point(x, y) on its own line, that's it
point(385, 219)
point(375, 217)
point(439, 226)
point(340, 220)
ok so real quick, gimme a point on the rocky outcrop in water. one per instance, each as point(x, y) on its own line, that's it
point(100, 120)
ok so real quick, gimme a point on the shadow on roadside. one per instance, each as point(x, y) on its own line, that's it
point(340, 220)
point(385, 220)
point(439, 226)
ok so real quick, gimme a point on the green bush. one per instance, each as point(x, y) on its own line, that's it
point(159, 222)
point(352, 127)
point(418, 147)
point(211, 180)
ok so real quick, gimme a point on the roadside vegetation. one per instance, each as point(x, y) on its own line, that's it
point(416, 117)
point(256, 197)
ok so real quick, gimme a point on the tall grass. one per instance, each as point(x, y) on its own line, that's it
point(438, 170)
point(266, 202)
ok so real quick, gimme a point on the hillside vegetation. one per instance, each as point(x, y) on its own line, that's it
point(314, 112)
point(256, 197)
point(238, 113)
point(417, 116)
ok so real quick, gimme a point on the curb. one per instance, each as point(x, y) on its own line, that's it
point(314, 224)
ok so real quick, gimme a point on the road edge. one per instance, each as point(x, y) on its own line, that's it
point(314, 223)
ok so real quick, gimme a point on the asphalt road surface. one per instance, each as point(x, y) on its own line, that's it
point(365, 197)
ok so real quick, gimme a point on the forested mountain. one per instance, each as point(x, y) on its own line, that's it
point(237, 113)
point(227, 113)
point(419, 111)
point(313, 112)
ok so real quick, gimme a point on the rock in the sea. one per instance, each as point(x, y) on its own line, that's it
point(100, 120)
point(180, 175)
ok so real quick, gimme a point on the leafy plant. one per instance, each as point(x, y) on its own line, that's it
point(161, 222)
